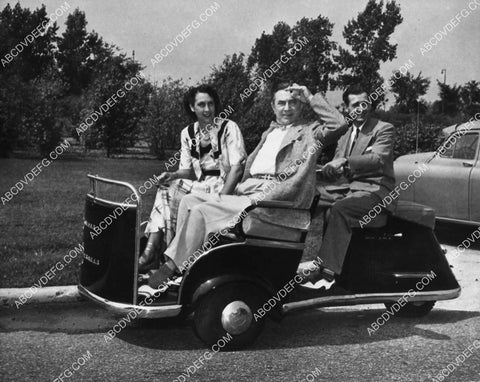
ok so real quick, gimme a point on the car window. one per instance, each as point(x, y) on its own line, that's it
point(461, 146)
point(466, 147)
point(448, 146)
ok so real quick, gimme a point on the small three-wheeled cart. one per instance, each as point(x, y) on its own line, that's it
point(225, 288)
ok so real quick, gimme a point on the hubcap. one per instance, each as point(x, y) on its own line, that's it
point(236, 317)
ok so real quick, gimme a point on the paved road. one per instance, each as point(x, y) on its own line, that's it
point(39, 342)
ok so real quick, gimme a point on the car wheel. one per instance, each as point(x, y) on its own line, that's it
point(227, 316)
point(413, 309)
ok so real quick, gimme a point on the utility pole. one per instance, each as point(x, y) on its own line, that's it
point(418, 125)
point(444, 72)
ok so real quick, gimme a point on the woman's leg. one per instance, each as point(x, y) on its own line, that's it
point(150, 257)
point(161, 225)
point(155, 229)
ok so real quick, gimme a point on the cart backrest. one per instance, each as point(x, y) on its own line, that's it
point(111, 241)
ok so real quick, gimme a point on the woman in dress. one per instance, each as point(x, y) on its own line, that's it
point(212, 158)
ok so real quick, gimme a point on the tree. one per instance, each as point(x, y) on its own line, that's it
point(408, 89)
point(450, 98)
point(470, 94)
point(14, 94)
point(368, 38)
point(312, 65)
point(24, 60)
point(269, 48)
point(82, 57)
point(36, 56)
point(29, 113)
point(118, 127)
point(230, 79)
point(429, 131)
point(165, 118)
point(45, 104)
point(80, 53)
point(257, 119)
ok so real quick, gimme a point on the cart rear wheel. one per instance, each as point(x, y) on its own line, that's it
point(228, 316)
point(413, 309)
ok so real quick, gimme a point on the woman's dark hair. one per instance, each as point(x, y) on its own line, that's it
point(354, 89)
point(189, 99)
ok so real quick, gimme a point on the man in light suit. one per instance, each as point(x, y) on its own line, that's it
point(362, 175)
point(282, 167)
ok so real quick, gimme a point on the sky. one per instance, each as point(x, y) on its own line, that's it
point(147, 26)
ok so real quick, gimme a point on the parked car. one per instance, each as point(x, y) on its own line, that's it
point(450, 177)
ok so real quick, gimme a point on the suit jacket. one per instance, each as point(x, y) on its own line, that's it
point(371, 159)
point(298, 167)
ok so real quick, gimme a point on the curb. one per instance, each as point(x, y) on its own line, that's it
point(54, 294)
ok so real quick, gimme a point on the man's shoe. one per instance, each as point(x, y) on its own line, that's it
point(321, 284)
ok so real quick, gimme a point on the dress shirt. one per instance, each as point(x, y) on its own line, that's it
point(264, 162)
point(353, 137)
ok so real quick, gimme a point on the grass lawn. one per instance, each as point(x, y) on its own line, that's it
point(45, 220)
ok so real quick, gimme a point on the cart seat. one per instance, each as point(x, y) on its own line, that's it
point(268, 227)
point(415, 213)
point(380, 220)
point(254, 226)
point(406, 210)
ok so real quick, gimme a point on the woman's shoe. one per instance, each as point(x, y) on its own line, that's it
point(147, 261)
point(146, 291)
point(152, 254)
point(150, 258)
point(172, 285)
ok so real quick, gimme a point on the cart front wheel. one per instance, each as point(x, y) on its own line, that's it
point(228, 316)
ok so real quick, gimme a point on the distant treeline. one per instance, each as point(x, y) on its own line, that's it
point(77, 85)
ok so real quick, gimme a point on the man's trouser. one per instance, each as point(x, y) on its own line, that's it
point(345, 214)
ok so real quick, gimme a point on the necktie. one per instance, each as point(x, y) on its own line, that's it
point(353, 139)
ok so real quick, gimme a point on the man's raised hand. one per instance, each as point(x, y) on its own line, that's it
point(300, 92)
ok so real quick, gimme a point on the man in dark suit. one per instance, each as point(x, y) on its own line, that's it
point(362, 175)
